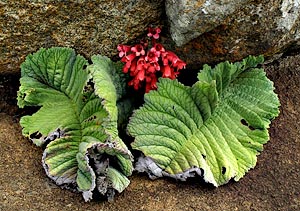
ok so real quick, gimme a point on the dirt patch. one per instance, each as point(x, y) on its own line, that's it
point(272, 185)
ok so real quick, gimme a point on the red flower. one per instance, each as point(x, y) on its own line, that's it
point(138, 50)
point(153, 67)
point(151, 81)
point(142, 64)
point(141, 75)
point(146, 63)
point(171, 61)
point(169, 56)
point(167, 72)
point(158, 49)
point(133, 65)
point(123, 50)
point(179, 64)
point(128, 60)
point(135, 83)
point(152, 56)
point(153, 32)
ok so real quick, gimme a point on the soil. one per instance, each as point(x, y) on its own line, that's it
point(272, 185)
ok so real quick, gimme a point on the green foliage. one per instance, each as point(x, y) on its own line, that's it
point(215, 128)
point(76, 122)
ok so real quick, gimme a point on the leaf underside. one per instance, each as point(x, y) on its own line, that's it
point(214, 129)
point(72, 119)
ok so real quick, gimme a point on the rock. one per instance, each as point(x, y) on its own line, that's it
point(210, 31)
point(204, 31)
point(91, 27)
point(189, 19)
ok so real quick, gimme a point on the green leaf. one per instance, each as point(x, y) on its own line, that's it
point(72, 117)
point(110, 86)
point(215, 128)
point(117, 179)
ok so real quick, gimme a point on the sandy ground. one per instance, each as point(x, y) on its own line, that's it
point(273, 185)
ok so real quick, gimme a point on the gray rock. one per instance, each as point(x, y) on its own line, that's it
point(189, 19)
point(209, 31)
point(91, 27)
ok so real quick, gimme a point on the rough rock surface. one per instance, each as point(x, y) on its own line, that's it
point(210, 31)
point(88, 26)
point(189, 19)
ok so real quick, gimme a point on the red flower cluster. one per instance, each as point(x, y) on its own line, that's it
point(146, 63)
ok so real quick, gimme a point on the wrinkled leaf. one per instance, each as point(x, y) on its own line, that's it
point(110, 86)
point(72, 118)
point(214, 129)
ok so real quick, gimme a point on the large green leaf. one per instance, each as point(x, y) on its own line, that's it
point(72, 119)
point(215, 128)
